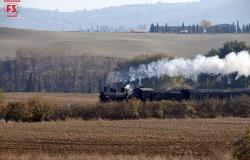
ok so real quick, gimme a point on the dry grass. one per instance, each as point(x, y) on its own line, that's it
point(165, 138)
point(58, 98)
point(121, 45)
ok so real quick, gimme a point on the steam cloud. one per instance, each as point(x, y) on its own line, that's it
point(190, 68)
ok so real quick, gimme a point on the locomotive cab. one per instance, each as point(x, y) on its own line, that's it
point(111, 94)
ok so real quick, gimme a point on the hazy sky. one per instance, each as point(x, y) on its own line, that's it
point(72, 5)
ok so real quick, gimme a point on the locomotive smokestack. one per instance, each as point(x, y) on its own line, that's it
point(191, 68)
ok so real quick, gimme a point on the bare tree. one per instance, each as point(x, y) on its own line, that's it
point(206, 23)
point(46, 70)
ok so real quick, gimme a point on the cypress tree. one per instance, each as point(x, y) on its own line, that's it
point(166, 29)
point(233, 28)
point(152, 28)
point(193, 28)
point(244, 28)
point(238, 27)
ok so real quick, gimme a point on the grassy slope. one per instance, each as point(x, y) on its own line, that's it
point(202, 138)
point(117, 44)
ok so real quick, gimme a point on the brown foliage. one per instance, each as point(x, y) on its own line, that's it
point(183, 109)
point(210, 108)
point(36, 110)
point(242, 148)
point(51, 72)
point(240, 106)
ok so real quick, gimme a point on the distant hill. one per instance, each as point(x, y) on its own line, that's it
point(112, 44)
point(218, 11)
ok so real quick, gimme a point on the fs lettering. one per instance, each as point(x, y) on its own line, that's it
point(11, 8)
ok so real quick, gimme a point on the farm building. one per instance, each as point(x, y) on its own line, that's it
point(183, 29)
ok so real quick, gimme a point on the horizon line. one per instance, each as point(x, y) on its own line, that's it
point(112, 6)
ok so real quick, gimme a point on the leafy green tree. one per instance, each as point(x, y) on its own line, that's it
point(232, 46)
point(228, 47)
point(228, 81)
point(212, 53)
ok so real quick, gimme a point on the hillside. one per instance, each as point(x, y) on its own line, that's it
point(218, 11)
point(112, 44)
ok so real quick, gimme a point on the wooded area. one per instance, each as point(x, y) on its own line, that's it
point(33, 70)
point(30, 71)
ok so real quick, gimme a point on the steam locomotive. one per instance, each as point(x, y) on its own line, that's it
point(149, 94)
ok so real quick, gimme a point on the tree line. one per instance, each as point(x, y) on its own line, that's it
point(204, 80)
point(204, 27)
point(50, 71)
point(33, 71)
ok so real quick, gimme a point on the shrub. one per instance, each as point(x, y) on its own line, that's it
point(165, 105)
point(75, 111)
point(61, 113)
point(145, 110)
point(180, 109)
point(241, 149)
point(209, 108)
point(115, 111)
point(106, 111)
point(190, 108)
point(17, 111)
point(240, 107)
point(41, 110)
point(157, 110)
point(34, 110)
point(133, 110)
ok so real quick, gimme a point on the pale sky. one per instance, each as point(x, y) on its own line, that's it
point(72, 5)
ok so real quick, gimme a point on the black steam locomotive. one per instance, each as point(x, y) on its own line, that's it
point(149, 94)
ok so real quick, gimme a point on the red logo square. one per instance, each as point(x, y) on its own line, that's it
point(11, 8)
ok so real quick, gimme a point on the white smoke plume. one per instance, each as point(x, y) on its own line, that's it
point(190, 68)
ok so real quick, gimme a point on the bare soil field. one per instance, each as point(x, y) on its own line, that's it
point(58, 98)
point(113, 44)
point(186, 139)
